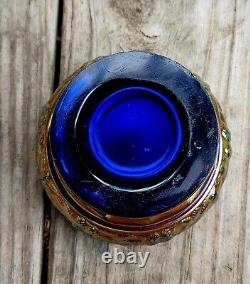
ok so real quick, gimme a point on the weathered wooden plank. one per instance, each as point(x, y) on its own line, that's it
point(73, 256)
point(27, 49)
point(212, 38)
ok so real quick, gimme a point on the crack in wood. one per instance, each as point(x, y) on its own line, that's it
point(47, 203)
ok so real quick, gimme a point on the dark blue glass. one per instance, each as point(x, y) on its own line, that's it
point(136, 132)
point(125, 131)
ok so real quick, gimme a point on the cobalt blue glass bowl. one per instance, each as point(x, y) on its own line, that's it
point(135, 133)
point(131, 145)
point(131, 133)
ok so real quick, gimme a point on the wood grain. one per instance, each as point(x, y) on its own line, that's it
point(212, 38)
point(27, 52)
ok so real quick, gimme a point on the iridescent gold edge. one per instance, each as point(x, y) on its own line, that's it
point(162, 227)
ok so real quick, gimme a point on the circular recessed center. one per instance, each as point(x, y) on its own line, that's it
point(136, 132)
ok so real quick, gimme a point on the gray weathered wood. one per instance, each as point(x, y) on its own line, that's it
point(212, 38)
point(27, 52)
